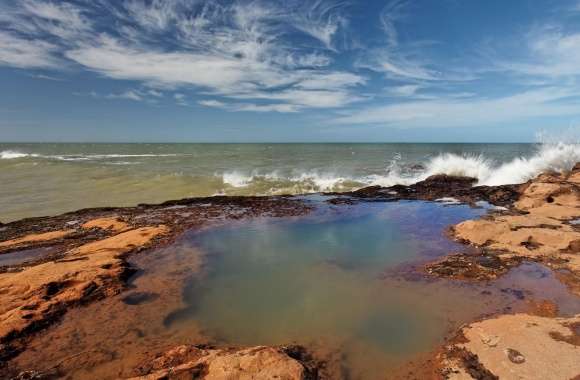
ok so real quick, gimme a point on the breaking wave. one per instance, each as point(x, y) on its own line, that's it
point(13, 154)
point(557, 157)
point(401, 170)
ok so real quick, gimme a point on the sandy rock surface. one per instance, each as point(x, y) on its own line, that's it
point(517, 346)
point(35, 295)
point(255, 363)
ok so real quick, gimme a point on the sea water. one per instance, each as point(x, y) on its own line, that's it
point(47, 179)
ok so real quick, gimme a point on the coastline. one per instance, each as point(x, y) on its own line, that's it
point(77, 258)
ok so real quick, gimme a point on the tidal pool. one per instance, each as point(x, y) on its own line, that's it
point(332, 281)
point(341, 281)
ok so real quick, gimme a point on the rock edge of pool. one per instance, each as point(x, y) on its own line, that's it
point(50, 265)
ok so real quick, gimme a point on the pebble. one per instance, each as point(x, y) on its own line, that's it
point(515, 356)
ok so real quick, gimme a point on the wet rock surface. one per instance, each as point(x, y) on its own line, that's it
point(434, 188)
point(87, 253)
point(261, 362)
point(537, 228)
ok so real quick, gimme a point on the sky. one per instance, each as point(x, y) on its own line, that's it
point(288, 70)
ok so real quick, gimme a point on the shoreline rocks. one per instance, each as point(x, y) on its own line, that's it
point(260, 362)
point(537, 228)
point(518, 346)
point(87, 250)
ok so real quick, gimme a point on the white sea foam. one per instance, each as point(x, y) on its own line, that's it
point(237, 179)
point(557, 157)
point(13, 154)
point(548, 157)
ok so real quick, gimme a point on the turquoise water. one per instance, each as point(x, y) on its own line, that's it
point(46, 179)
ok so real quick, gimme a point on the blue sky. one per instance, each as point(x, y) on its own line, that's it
point(312, 70)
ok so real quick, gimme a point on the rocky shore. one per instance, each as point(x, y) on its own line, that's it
point(51, 265)
point(540, 226)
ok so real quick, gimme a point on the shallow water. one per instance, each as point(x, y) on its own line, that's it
point(46, 179)
point(341, 281)
point(21, 257)
point(333, 281)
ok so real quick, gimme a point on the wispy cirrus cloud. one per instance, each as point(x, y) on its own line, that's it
point(551, 53)
point(393, 58)
point(133, 94)
point(469, 112)
point(24, 53)
point(250, 107)
point(288, 56)
point(238, 50)
point(539, 68)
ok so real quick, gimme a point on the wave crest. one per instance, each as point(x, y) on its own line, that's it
point(13, 154)
point(558, 157)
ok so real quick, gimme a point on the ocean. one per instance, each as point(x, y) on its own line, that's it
point(48, 179)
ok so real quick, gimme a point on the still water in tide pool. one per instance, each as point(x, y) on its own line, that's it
point(333, 282)
point(339, 281)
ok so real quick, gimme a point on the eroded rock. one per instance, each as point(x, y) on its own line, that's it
point(35, 296)
point(536, 229)
point(88, 252)
point(524, 347)
point(254, 363)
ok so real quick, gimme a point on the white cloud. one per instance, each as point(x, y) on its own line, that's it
point(552, 53)
point(62, 20)
point(405, 60)
point(45, 77)
point(238, 50)
point(306, 98)
point(282, 108)
point(390, 15)
point(155, 16)
point(320, 20)
point(155, 93)
point(330, 80)
point(180, 99)
point(110, 57)
point(24, 53)
point(128, 95)
point(251, 107)
point(277, 56)
point(137, 95)
point(469, 112)
point(212, 103)
point(405, 90)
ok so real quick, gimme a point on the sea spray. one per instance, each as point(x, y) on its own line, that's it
point(558, 157)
